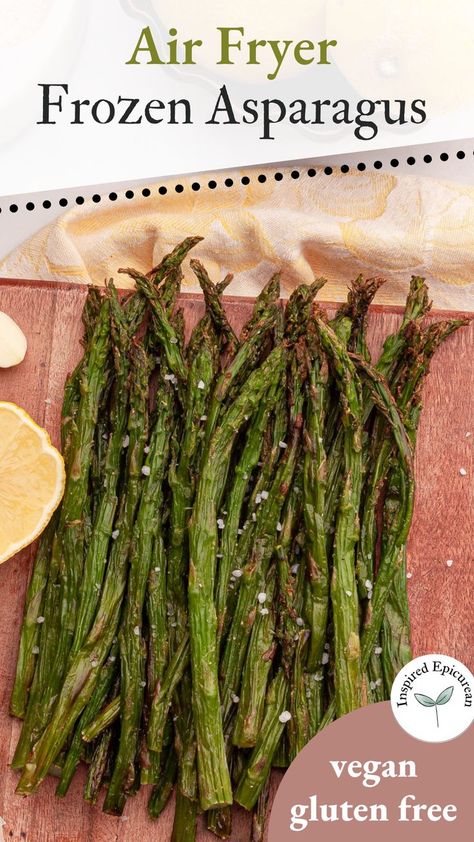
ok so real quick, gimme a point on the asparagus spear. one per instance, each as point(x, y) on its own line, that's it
point(94, 567)
point(202, 366)
point(76, 492)
point(136, 304)
point(365, 568)
point(98, 699)
point(161, 793)
point(256, 772)
point(260, 813)
point(381, 448)
point(104, 719)
point(212, 296)
point(314, 492)
point(164, 329)
point(78, 684)
point(263, 320)
point(272, 445)
point(132, 645)
point(202, 355)
point(417, 306)
point(267, 527)
point(98, 767)
point(214, 780)
point(259, 764)
point(261, 652)
point(30, 630)
point(220, 822)
point(90, 315)
point(348, 679)
point(395, 632)
point(299, 732)
point(164, 693)
point(235, 501)
point(34, 718)
point(184, 825)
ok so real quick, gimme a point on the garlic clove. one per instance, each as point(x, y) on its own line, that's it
point(13, 343)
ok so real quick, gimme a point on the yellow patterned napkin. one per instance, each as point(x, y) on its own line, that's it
point(333, 225)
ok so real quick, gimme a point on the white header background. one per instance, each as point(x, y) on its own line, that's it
point(411, 49)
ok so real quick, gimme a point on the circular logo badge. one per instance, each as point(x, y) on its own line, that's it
point(432, 698)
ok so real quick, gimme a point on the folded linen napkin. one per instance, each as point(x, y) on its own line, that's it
point(337, 225)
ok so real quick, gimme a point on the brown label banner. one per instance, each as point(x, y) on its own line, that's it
point(363, 776)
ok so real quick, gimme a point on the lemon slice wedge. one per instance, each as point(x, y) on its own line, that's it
point(32, 479)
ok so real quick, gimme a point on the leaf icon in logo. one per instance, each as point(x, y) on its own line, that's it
point(444, 696)
point(428, 702)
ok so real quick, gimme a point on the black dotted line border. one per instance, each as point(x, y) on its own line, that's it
point(229, 182)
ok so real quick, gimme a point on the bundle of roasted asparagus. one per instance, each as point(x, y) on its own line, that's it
point(226, 573)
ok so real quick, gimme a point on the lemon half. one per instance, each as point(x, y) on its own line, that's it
point(32, 479)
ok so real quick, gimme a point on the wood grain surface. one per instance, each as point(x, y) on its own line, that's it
point(441, 597)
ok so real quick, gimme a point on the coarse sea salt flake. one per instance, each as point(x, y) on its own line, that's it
point(262, 597)
point(279, 527)
point(237, 573)
point(201, 384)
point(283, 445)
point(264, 495)
point(299, 621)
point(146, 471)
point(325, 658)
point(285, 717)
point(220, 523)
point(136, 630)
point(115, 534)
point(264, 612)
point(349, 593)
point(449, 562)
point(40, 620)
point(409, 575)
point(463, 472)
point(235, 699)
point(294, 569)
point(35, 650)
point(126, 441)
point(378, 650)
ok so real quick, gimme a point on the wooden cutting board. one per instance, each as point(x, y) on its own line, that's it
point(441, 597)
